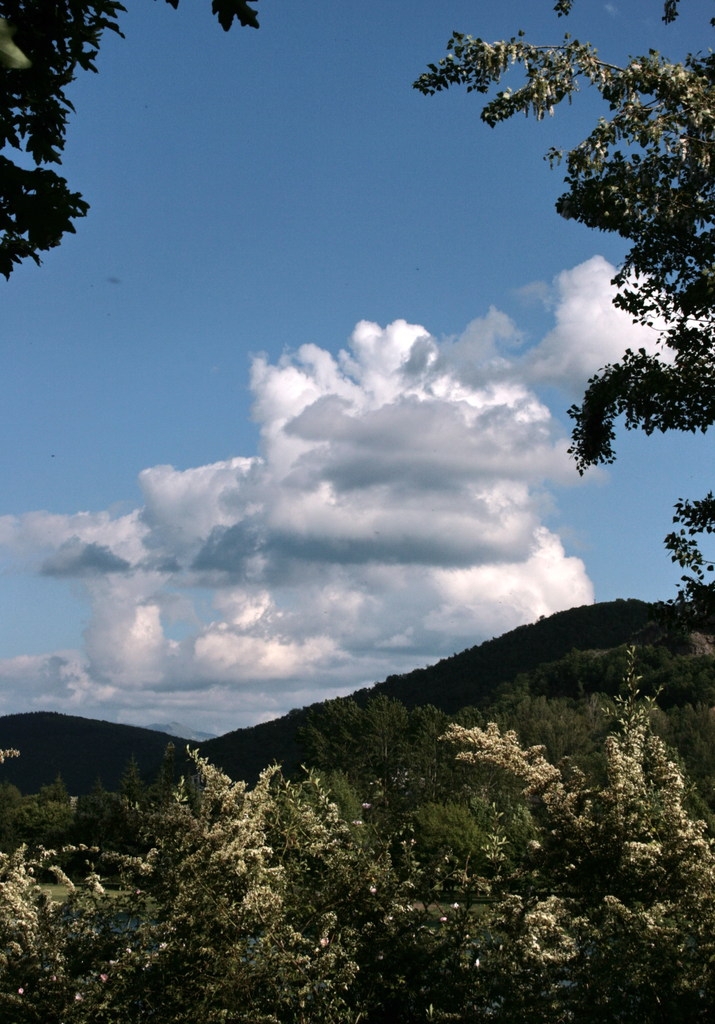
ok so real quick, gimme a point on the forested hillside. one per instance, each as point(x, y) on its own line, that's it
point(375, 749)
point(80, 750)
point(469, 678)
point(542, 658)
point(423, 868)
point(473, 676)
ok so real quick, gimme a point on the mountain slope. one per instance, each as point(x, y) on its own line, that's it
point(471, 677)
point(82, 750)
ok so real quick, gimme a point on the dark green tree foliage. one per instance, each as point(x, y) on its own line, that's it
point(131, 787)
point(690, 730)
point(10, 800)
point(162, 791)
point(393, 774)
point(58, 39)
point(384, 747)
point(98, 819)
point(447, 830)
point(40, 821)
point(674, 678)
point(427, 766)
point(391, 757)
point(46, 819)
point(566, 728)
point(694, 603)
point(453, 840)
point(645, 172)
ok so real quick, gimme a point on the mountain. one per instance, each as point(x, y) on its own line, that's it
point(184, 732)
point(82, 750)
point(472, 676)
point(469, 678)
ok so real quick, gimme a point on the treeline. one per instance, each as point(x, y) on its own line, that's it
point(102, 821)
point(82, 750)
point(388, 766)
point(425, 868)
point(472, 676)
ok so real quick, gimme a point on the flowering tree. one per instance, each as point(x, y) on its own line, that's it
point(258, 905)
point(265, 906)
point(612, 915)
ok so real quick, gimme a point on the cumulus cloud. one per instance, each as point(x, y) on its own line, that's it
point(589, 332)
point(396, 512)
point(75, 558)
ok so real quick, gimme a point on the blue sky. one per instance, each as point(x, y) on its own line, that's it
point(208, 513)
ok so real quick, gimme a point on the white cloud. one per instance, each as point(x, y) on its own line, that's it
point(494, 598)
point(590, 331)
point(396, 513)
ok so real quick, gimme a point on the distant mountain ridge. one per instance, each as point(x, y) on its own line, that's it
point(82, 750)
point(184, 732)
